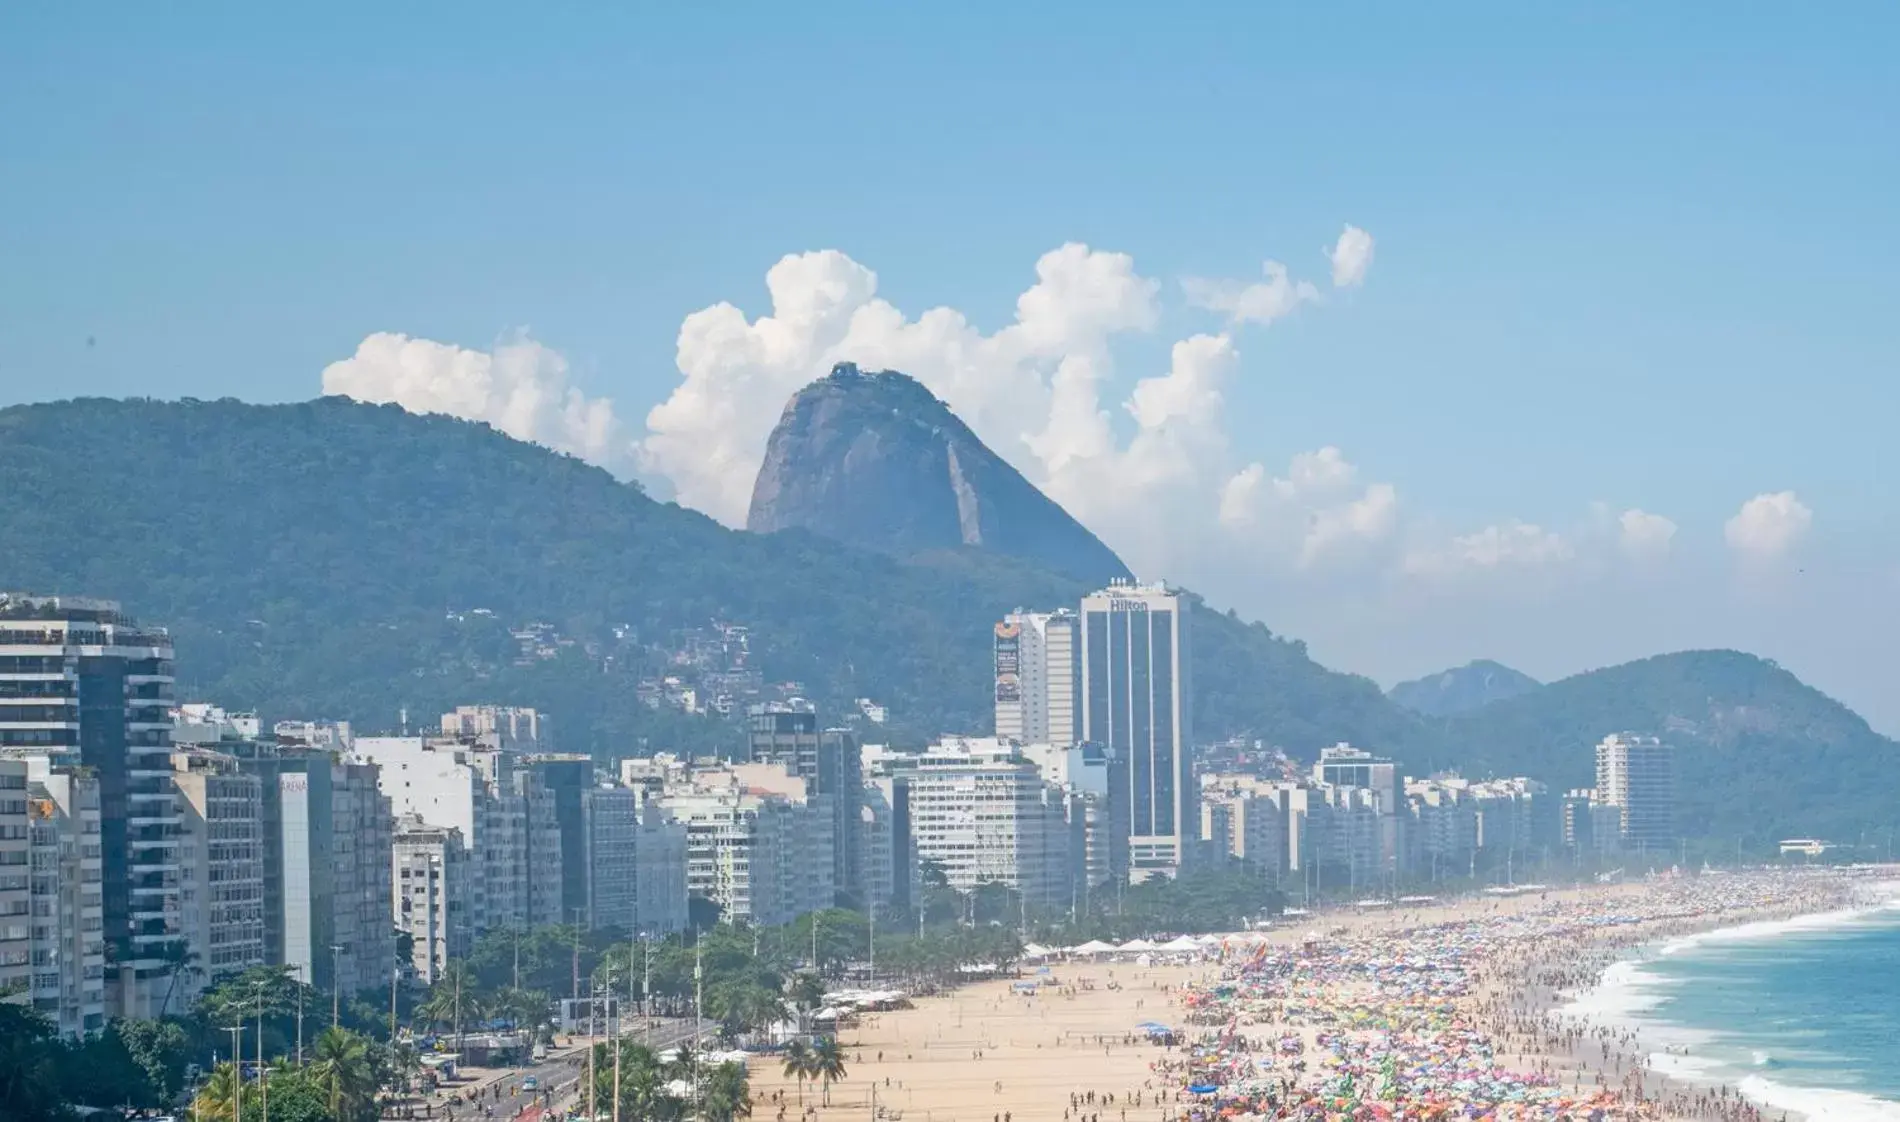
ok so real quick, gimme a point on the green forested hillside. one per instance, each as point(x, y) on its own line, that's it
point(1759, 755)
point(345, 560)
point(309, 557)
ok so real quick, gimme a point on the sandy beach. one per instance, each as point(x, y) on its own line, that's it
point(1338, 995)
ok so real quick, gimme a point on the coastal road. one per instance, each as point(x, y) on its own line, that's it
point(558, 1076)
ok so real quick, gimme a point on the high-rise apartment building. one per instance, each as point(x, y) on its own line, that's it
point(1637, 775)
point(885, 839)
point(503, 813)
point(1097, 785)
point(326, 838)
point(758, 843)
point(221, 867)
point(787, 734)
point(80, 680)
point(1038, 691)
point(16, 890)
point(431, 877)
point(1244, 819)
point(566, 779)
point(69, 950)
point(610, 821)
point(660, 905)
point(981, 810)
point(1135, 691)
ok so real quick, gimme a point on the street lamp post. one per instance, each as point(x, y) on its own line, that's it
point(237, 1069)
point(336, 983)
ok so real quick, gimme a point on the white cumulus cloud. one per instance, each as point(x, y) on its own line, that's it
point(521, 388)
point(1512, 545)
point(1317, 512)
point(1768, 525)
point(1032, 379)
point(1351, 256)
point(1259, 302)
point(1644, 536)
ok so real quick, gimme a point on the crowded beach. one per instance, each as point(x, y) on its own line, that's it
point(1415, 1009)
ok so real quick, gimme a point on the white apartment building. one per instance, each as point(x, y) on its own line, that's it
point(1244, 818)
point(1038, 692)
point(507, 727)
point(81, 681)
point(221, 868)
point(16, 892)
point(328, 830)
point(888, 858)
point(758, 844)
point(501, 813)
point(981, 810)
point(431, 877)
point(69, 951)
point(1637, 775)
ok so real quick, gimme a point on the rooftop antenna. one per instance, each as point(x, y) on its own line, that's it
point(404, 718)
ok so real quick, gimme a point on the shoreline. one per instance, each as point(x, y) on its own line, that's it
point(1615, 1004)
point(1332, 1000)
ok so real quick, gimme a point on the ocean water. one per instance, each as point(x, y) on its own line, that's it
point(1802, 1016)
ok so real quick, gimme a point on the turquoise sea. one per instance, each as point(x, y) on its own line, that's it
point(1802, 1016)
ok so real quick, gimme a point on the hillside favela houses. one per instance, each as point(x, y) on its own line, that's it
point(324, 842)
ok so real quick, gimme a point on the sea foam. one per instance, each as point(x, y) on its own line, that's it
point(1822, 1104)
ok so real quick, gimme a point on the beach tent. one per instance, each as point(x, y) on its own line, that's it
point(1093, 947)
point(1181, 945)
point(1135, 946)
point(1037, 950)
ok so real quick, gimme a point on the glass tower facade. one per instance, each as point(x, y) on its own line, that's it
point(1135, 704)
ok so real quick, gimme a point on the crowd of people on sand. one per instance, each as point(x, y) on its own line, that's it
point(1455, 1019)
point(1450, 1020)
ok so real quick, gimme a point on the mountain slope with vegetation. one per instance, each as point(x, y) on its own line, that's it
point(344, 560)
point(1462, 689)
point(1759, 755)
point(337, 559)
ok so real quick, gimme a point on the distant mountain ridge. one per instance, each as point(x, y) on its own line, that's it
point(875, 460)
point(1462, 689)
point(1760, 755)
point(316, 559)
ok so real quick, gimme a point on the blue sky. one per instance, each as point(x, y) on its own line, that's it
point(1637, 256)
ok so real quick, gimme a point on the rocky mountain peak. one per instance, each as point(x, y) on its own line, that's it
point(877, 460)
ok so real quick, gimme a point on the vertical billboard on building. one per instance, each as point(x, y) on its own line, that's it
point(1009, 686)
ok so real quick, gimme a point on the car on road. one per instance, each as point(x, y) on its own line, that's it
point(531, 1083)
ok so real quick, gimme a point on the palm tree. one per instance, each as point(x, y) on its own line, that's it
point(827, 1063)
point(344, 1070)
point(179, 960)
point(217, 1099)
point(727, 1096)
point(798, 1065)
point(643, 1084)
point(455, 996)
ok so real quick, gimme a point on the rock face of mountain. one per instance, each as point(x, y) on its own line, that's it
point(1463, 689)
point(875, 460)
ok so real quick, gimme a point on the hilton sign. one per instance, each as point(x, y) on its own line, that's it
point(1121, 605)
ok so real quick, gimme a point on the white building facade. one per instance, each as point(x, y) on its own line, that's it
point(982, 811)
point(430, 866)
point(69, 952)
point(1038, 692)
